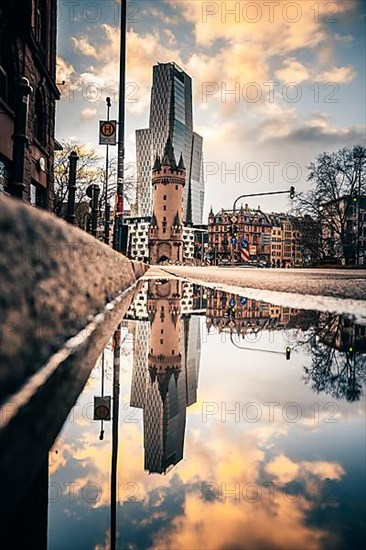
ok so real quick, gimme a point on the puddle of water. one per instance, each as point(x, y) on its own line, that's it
point(241, 425)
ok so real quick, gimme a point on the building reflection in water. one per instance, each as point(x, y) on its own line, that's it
point(336, 345)
point(166, 366)
point(166, 349)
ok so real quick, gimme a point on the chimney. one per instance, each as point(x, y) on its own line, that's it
point(246, 208)
point(259, 206)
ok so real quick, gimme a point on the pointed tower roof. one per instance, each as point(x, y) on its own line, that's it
point(176, 220)
point(181, 163)
point(211, 213)
point(189, 205)
point(176, 376)
point(157, 163)
point(153, 221)
point(168, 157)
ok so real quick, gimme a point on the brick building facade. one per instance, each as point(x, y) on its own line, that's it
point(273, 239)
point(28, 49)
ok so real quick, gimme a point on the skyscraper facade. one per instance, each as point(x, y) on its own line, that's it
point(171, 115)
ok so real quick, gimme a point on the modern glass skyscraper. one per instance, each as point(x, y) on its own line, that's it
point(171, 114)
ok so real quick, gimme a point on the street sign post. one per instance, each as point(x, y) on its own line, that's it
point(107, 132)
point(102, 408)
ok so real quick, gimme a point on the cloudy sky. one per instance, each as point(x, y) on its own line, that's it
point(275, 83)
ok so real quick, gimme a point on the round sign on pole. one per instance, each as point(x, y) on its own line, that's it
point(232, 302)
point(107, 132)
point(243, 301)
point(244, 243)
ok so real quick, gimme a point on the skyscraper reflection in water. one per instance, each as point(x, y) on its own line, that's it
point(165, 372)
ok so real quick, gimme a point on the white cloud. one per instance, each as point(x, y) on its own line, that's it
point(88, 114)
point(339, 75)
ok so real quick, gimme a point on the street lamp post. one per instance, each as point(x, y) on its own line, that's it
point(117, 236)
point(73, 159)
point(106, 204)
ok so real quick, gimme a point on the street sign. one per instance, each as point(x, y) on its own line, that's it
point(245, 255)
point(232, 324)
point(102, 408)
point(107, 132)
point(243, 301)
point(244, 243)
point(234, 218)
point(233, 240)
point(253, 250)
point(232, 302)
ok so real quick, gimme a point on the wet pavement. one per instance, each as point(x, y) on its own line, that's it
point(241, 425)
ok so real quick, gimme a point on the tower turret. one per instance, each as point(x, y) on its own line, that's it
point(166, 229)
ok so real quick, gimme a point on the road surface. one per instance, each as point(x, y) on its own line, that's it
point(340, 291)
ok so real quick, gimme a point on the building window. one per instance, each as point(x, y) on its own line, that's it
point(38, 196)
point(40, 22)
point(164, 197)
point(164, 207)
point(39, 119)
point(7, 73)
point(4, 177)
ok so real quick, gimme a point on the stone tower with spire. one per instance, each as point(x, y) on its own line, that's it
point(166, 226)
point(166, 398)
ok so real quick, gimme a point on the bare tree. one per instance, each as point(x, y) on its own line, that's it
point(91, 169)
point(338, 179)
point(338, 363)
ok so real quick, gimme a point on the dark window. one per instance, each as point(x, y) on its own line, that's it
point(7, 73)
point(39, 119)
point(40, 22)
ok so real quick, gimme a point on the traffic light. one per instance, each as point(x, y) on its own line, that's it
point(230, 312)
point(292, 192)
point(351, 351)
point(354, 199)
point(288, 353)
point(235, 231)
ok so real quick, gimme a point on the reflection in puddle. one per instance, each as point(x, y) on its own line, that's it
point(254, 413)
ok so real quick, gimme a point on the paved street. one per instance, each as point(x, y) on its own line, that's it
point(340, 291)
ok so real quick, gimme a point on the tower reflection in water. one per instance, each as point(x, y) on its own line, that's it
point(165, 371)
